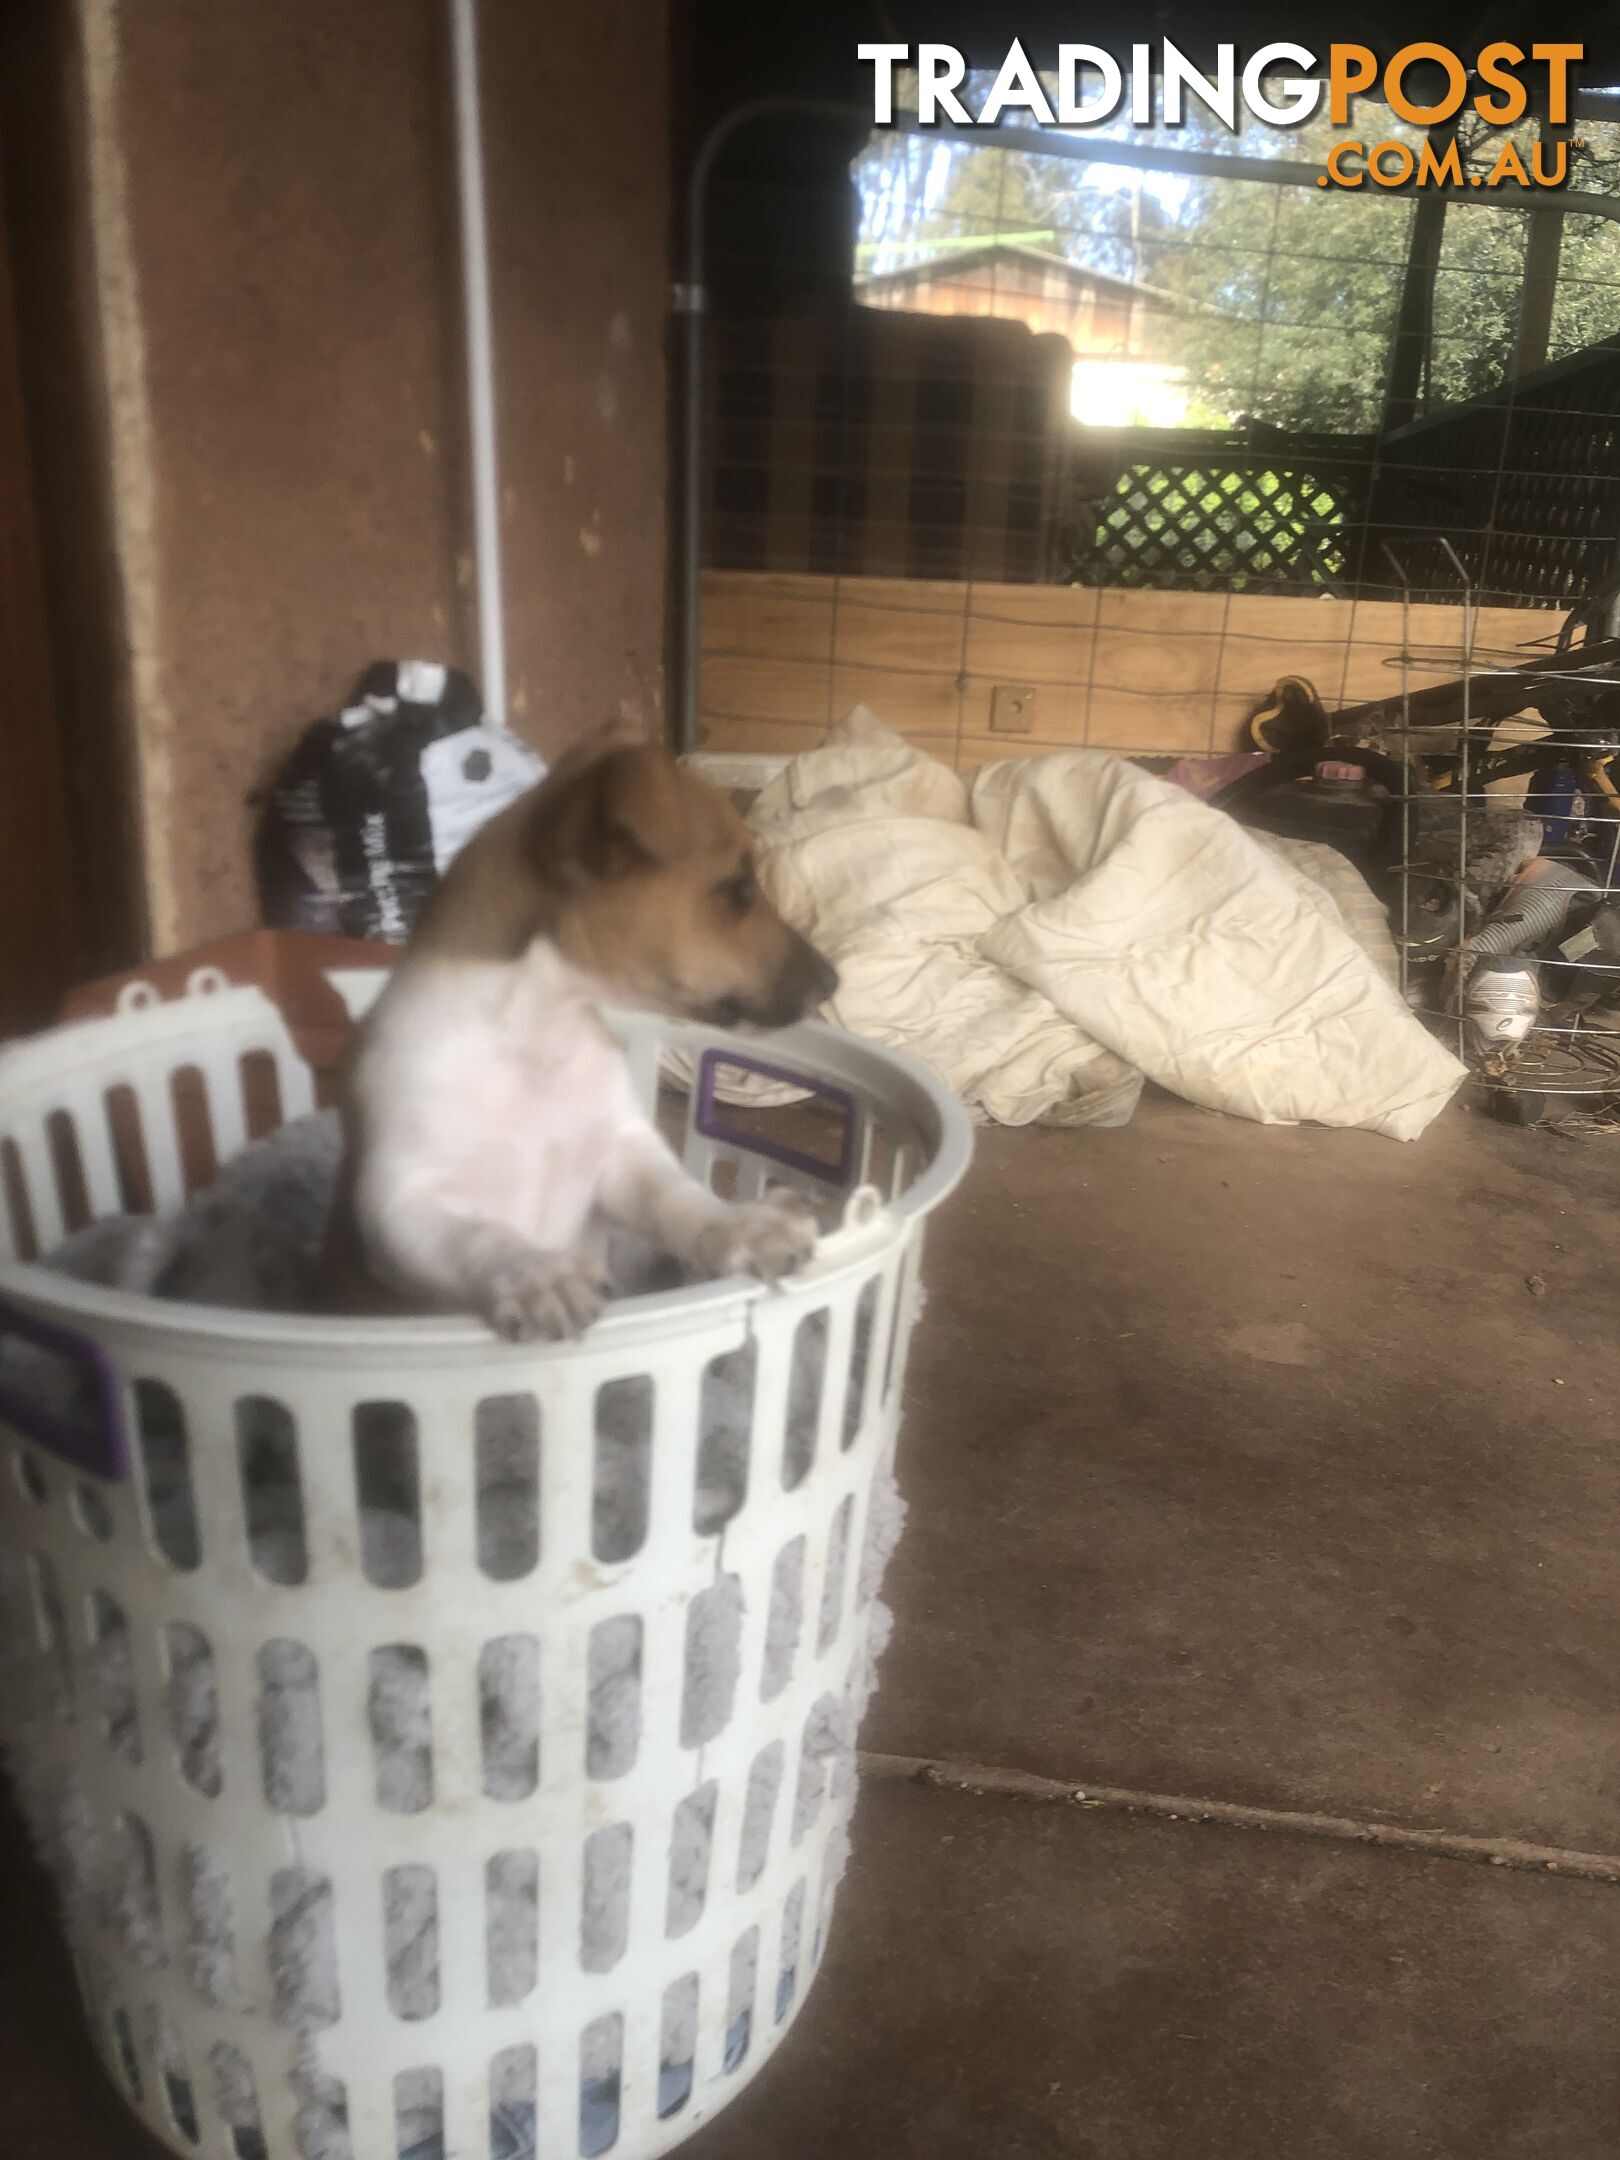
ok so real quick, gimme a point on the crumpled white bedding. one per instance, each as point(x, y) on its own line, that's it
point(1046, 932)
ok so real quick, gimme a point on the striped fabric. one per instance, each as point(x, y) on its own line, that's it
point(874, 443)
point(1361, 911)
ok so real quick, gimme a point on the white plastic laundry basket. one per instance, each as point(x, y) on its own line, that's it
point(645, 1895)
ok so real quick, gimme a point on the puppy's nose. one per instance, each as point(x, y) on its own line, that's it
point(812, 976)
point(805, 981)
point(823, 979)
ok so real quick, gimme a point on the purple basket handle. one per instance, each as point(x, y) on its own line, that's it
point(99, 1444)
point(708, 1117)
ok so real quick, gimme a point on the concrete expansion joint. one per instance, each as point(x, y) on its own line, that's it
point(984, 1781)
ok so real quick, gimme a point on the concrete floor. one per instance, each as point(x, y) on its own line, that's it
point(1274, 1467)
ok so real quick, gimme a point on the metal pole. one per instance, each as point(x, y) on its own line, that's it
point(1414, 322)
point(1538, 289)
point(1407, 771)
point(1467, 733)
point(480, 357)
point(691, 303)
point(1536, 295)
point(1214, 164)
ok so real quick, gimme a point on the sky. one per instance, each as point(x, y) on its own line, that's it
point(1170, 189)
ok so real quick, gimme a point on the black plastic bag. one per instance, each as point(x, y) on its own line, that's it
point(378, 799)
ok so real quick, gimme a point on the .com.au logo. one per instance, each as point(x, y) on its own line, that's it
point(1496, 91)
point(1282, 85)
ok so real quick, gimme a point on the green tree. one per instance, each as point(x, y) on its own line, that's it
point(1289, 296)
point(923, 196)
point(1286, 297)
point(992, 193)
point(988, 195)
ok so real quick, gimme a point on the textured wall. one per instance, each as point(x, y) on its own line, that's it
point(274, 210)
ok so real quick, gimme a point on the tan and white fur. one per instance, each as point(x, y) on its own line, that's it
point(494, 1134)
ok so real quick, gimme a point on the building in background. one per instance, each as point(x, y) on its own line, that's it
point(1116, 329)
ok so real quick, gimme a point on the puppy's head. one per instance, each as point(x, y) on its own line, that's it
point(642, 875)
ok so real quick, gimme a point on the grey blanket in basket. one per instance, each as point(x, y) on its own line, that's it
point(254, 1237)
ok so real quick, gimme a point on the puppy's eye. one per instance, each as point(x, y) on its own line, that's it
point(738, 892)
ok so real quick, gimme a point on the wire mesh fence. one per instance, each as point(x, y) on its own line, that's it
point(1088, 455)
point(1392, 381)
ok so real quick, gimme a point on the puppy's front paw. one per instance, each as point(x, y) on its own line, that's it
point(551, 1296)
point(768, 1238)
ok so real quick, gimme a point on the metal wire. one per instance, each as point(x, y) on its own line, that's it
point(1507, 499)
point(1309, 545)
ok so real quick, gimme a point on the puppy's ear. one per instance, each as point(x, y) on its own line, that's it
point(592, 747)
point(603, 821)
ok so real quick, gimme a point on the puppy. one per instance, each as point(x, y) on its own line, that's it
point(493, 1134)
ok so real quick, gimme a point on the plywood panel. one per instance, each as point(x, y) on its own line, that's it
point(759, 735)
point(899, 648)
point(1039, 634)
point(913, 700)
point(1155, 669)
point(1121, 670)
point(740, 686)
point(787, 618)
